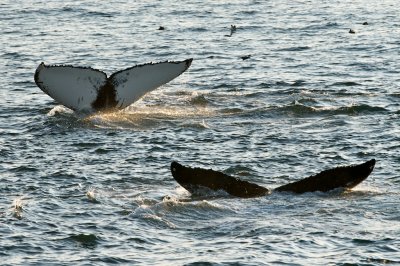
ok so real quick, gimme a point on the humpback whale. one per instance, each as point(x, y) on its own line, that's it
point(346, 177)
point(88, 90)
point(194, 179)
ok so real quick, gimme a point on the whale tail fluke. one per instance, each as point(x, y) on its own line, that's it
point(88, 90)
point(345, 177)
point(194, 179)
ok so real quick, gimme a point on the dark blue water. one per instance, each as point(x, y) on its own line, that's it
point(97, 190)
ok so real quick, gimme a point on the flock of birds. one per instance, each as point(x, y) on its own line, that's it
point(245, 57)
point(233, 30)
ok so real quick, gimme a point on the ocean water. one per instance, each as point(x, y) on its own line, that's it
point(97, 190)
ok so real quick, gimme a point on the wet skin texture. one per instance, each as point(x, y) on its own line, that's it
point(346, 177)
point(193, 179)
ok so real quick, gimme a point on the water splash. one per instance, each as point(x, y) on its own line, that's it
point(17, 208)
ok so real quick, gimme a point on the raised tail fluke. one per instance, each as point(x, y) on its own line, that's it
point(345, 177)
point(74, 87)
point(133, 83)
point(89, 90)
point(195, 179)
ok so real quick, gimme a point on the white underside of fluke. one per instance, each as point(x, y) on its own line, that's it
point(78, 88)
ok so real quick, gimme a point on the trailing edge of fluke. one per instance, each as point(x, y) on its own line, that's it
point(194, 179)
point(89, 90)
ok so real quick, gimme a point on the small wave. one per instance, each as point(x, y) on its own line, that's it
point(239, 170)
point(231, 111)
point(382, 261)
point(153, 213)
point(247, 12)
point(24, 169)
point(85, 144)
point(99, 14)
point(363, 108)
point(266, 85)
point(362, 191)
point(297, 108)
point(295, 83)
point(307, 101)
point(224, 86)
point(17, 208)
point(332, 24)
point(60, 110)
point(103, 150)
point(199, 100)
point(206, 193)
point(345, 83)
point(204, 263)
point(157, 220)
point(60, 118)
point(295, 49)
point(198, 29)
point(142, 117)
point(91, 196)
point(12, 55)
point(174, 112)
point(183, 202)
point(198, 125)
point(68, 9)
point(84, 240)
point(363, 242)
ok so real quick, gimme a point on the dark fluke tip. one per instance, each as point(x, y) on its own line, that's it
point(352, 31)
point(245, 57)
point(174, 166)
point(161, 28)
point(371, 164)
point(188, 62)
point(365, 23)
point(345, 177)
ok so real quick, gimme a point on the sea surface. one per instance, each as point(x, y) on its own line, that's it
point(97, 190)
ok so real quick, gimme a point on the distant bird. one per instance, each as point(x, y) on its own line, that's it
point(233, 30)
point(161, 28)
point(365, 23)
point(245, 57)
point(352, 31)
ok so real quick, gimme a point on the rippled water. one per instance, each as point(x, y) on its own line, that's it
point(97, 190)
